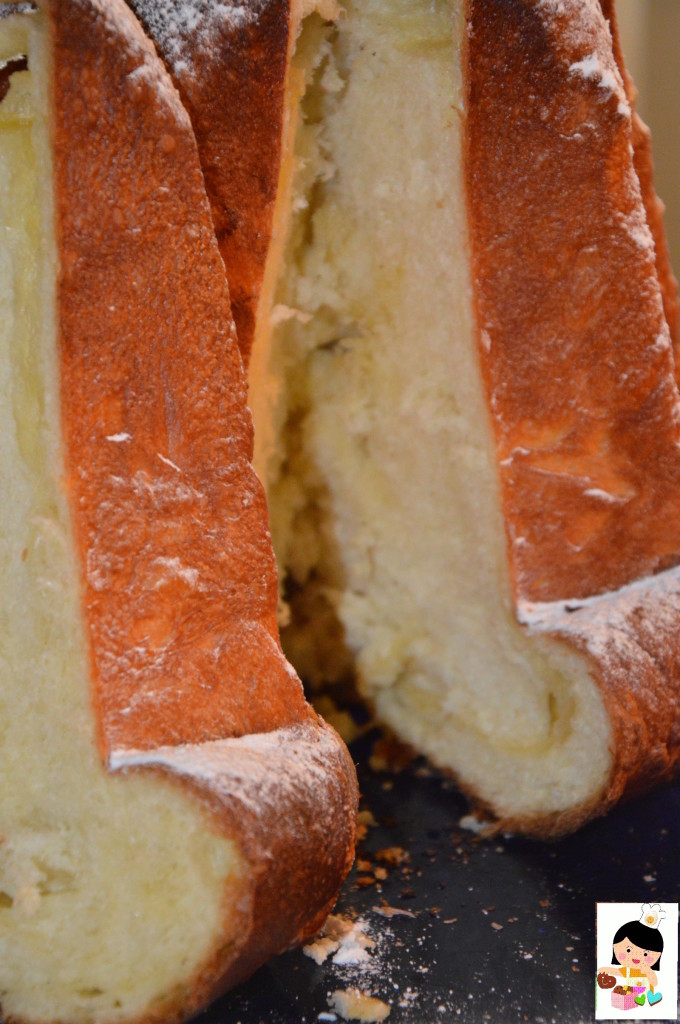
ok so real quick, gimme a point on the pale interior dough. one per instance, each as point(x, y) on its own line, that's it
point(112, 888)
point(372, 433)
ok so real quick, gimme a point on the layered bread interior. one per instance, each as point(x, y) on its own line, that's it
point(372, 431)
point(114, 890)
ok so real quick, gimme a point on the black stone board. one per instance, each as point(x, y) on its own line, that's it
point(503, 929)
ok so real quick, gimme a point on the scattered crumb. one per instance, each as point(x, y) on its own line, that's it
point(353, 1004)
point(320, 949)
point(394, 912)
point(366, 818)
point(479, 826)
point(393, 855)
point(380, 874)
point(346, 939)
point(409, 997)
point(496, 926)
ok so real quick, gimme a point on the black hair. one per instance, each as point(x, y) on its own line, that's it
point(640, 935)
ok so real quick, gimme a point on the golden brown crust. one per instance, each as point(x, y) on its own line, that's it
point(578, 368)
point(231, 75)
point(577, 362)
point(644, 168)
point(180, 582)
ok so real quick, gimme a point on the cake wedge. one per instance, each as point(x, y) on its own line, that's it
point(172, 812)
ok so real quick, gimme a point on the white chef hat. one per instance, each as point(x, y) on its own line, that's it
point(652, 914)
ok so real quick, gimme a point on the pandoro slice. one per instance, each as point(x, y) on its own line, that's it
point(230, 64)
point(172, 813)
point(466, 411)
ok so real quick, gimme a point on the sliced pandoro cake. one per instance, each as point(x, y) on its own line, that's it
point(162, 780)
point(463, 385)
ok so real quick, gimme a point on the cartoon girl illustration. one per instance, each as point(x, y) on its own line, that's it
point(636, 952)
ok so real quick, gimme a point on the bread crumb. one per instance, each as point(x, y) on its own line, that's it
point(353, 1004)
point(320, 949)
point(392, 855)
point(394, 912)
point(477, 825)
point(344, 938)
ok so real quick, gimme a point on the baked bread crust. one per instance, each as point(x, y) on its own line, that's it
point(644, 168)
point(181, 578)
point(578, 365)
point(231, 74)
point(180, 584)
point(589, 469)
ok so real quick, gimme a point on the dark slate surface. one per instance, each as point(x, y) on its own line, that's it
point(503, 929)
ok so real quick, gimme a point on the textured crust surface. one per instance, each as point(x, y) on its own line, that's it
point(180, 582)
point(578, 365)
point(229, 64)
point(579, 370)
point(644, 168)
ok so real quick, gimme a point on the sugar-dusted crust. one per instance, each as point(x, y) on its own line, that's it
point(229, 63)
point(181, 579)
point(644, 168)
point(631, 639)
point(578, 365)
point(179, 583)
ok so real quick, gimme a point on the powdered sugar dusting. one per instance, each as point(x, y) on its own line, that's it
point(591, 68)
point(184, 29)
point(606, 496)
point(586, 36)
point(597, 619)
point(258, 770)
point(149, 73)
point(636, 227)
point(174, 567)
